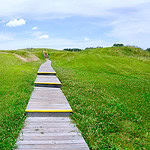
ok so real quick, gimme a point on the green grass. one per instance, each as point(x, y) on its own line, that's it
point(107, 88)
point(109, 91)
point(16, 85)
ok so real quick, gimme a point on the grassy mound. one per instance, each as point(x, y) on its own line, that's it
point(16, 84)
point(109, 90)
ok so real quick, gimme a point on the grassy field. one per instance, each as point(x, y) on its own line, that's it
point(109, 91)
point(16, 84)
point(107, 88)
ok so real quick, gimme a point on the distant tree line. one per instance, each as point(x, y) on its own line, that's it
point(78, 49)
point(72, 49)
point(114, 45)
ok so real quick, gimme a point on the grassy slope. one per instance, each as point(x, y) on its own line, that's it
point(108, 90)
point(16, 85)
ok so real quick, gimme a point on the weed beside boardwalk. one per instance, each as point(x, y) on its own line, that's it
point(109, 91)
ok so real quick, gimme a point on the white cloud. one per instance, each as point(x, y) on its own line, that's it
point(40, 35)
point(16, 22)
point(35, 28)
point(44, 36)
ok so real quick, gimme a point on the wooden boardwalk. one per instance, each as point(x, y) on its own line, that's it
point(48, 126)
point(46, 67)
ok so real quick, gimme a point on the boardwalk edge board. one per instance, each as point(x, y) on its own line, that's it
point(47, 83)
point(44, 84)
point(46, 73)
point(48, 110)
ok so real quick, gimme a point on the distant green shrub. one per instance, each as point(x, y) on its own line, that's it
point(72, 49)
point(118, 45)
point(148, 49)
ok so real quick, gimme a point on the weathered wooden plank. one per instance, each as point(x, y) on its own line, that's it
point(46, 142)
point(45, 91)
point(48, 94)
point(48, 130)
point(50, 125)
point(47, 101)
point(47, 121)
point(65, 137)
point(47, 79)
point(45, 88)
point(30, 119)
point(46, 69)
point(62, 146)
point(47, 105)
point(50, 134)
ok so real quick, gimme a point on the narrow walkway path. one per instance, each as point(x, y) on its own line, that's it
point(48, 126)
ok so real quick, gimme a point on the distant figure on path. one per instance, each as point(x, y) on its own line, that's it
point(45, 54)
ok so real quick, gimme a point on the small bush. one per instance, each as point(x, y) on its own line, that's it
point(118, 45)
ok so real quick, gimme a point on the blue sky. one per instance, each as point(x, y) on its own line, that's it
point(73, 23)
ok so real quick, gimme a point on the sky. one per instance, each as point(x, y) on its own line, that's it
point(60, 24)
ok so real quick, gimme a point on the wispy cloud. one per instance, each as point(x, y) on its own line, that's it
point(34, 28)
point(39, 35)
point(56, 8)
point(44, 36)
point(16, 22)
point(133, 28)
